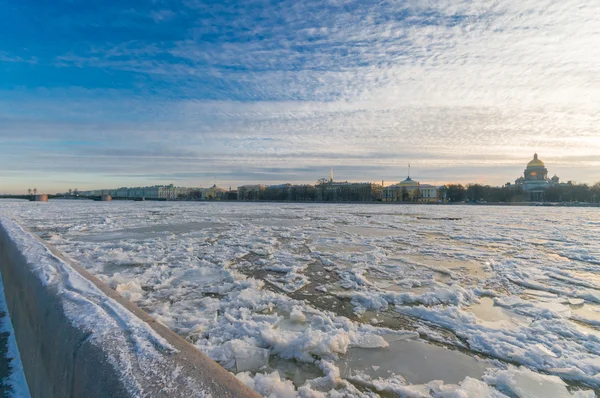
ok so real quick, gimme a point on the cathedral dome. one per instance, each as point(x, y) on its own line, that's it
point(409, 182)
point(536, 162)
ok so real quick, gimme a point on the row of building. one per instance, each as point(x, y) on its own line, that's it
point(159, 192)
point(408, 190)
point(534, 182)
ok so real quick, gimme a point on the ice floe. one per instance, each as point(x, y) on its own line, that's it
point(335, 300)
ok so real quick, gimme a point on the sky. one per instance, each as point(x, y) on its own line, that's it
point(104, 94)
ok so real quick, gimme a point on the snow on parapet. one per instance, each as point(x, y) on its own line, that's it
point(88, 308)
point(15, 380)
point(142, 360)
point(54, 270)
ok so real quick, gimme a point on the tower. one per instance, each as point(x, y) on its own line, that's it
point(330, 175)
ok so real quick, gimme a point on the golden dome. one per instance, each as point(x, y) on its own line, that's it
point(536, 162)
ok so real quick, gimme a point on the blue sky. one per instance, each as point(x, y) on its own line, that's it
point(106, 94)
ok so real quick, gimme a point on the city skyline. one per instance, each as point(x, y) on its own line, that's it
point(132, 94)
point(409, 176)
point(409, 172)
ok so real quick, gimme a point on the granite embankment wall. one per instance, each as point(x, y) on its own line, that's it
point(79, 338)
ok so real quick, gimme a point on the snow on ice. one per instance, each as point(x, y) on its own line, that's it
point(332, 300)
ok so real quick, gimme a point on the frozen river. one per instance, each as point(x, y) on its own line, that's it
point(343, 300)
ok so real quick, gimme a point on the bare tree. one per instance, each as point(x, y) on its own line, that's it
point(415, 195)
point(321, 182)
point(76, 192)
point(70, 192)
point(405, 194)
point(595, 191)
point(35, 191)
point(29, 191)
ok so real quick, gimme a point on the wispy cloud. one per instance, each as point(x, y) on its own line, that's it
point(464, 90)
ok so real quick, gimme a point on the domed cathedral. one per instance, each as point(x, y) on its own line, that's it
point(535, 179)
point(536, 170)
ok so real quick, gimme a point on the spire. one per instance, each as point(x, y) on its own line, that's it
point(330, 175)
point(535, 156)
point(409, 170)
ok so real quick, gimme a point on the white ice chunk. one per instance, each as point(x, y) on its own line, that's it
point(469, 387)
point(541, 350)
point(130, 290)
point(524, 383)
point(556, 307)
point(297, 315)
point(306, 344)
point(511, 302)
point(369, 341)
point(539, 293)
point(249, 357)
point(404, 335)
point(269, 385)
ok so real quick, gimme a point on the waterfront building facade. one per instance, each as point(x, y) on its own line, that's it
point(212, 193)
point(410, 190)
point(331, 191)
point(405, 191)
point(428, 193)
point(156, 192)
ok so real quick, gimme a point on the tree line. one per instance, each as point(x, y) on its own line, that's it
point(570, 192)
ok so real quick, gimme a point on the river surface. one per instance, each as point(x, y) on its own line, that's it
point(359, 300)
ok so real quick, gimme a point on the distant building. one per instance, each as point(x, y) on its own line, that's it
point(156, 192)
point(212, 193)
point(428, 193)
point(230, 195)
point(535, 179)
point(331, 191)
point(39, 198)
point(405, 191)
point(410, 190)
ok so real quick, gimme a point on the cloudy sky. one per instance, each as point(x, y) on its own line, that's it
point(134, 92)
